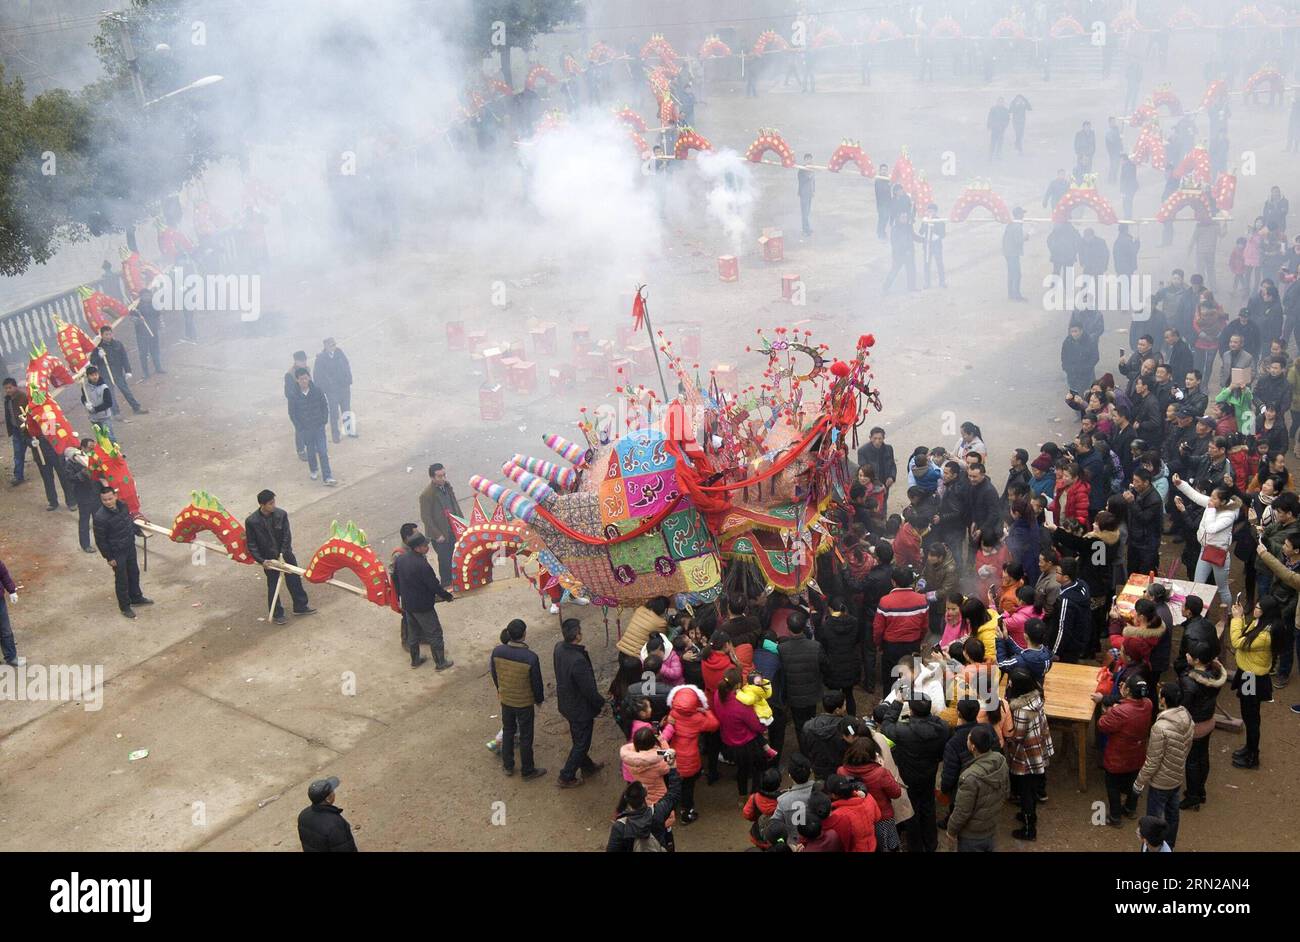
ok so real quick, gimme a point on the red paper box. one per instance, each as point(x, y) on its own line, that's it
point(581, 339)
point(788, 286)
point(597, 364)
point(544, 339)
point(523, 376)
point(642, 355)
point(773, 245)
point(492, 364)
point(728, 381)
point(491, 403)
point(475, 339)
point(728, 268)
point(455, 335)
point(563, 377)
point(691, 341)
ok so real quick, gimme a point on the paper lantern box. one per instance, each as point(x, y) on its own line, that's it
point(728, 268)
point(789, 286)
point(491, 402)
point(562, 377)
point(691, 335)
point(523, 376)
point(642, 355)
point(475, 339)
point(455, 335)
point(621, 363)
point(728, 380)
point(772, 244)
point(491, 363)
point(597, 364)
point(544, 339)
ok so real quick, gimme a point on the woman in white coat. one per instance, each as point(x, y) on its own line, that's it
point(1214, 534)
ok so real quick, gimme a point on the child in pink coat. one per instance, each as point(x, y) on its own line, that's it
point(1014, 619)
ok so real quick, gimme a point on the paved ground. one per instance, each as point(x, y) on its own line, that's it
point(239, 715)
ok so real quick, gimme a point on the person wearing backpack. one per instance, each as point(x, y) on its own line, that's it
point(640, 826)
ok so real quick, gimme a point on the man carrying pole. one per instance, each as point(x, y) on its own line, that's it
point(270, 541)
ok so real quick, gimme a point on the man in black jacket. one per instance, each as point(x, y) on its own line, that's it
point(270, 540)
point(984, 507)
point(884, 202)
point(879, 583)
point(321, 826)
point(84, 487)
point(579, 702)
point(110, 356)
point(1075, 613)
point(309, 410)
point(918, 749)
point(804, 665)
point(637, 821)
point(1145, 523)
point(880, 457)
point(1013, 248)
point(950, 521)
point(115, 537)
point(902, 244)
point(290, 390)
point(1019, 471)
point(334, 377)
point(419, 591)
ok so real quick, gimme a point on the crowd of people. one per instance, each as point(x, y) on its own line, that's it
point(905, 696)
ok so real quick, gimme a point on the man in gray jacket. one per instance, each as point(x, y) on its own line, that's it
point(1165, 770)
point(982, 790)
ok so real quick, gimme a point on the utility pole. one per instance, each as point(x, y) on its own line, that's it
point(128, 52)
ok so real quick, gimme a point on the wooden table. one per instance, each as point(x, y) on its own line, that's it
point(1067, 695)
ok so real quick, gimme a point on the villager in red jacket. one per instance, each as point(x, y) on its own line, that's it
point(901, 624)
point(1072, 494)
point(1126, 725)
point(853, 816)
point(688, 707)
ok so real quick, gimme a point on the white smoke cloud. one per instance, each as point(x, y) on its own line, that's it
point(731, 193)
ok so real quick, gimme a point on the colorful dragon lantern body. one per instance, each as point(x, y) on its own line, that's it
point(347, 548)
point(109, 466)
point(44, 419)
point(205, 512)
point(74, 343)
point(714, 475)
point(45, 371)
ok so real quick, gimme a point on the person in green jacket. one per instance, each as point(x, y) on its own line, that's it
point(982, 789)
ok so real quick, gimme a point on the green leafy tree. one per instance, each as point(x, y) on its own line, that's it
point(42, 174)
point(499, 25)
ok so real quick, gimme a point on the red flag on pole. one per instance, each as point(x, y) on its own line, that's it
point(638, 310)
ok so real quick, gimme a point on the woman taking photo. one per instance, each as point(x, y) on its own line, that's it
point(1214, 533)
